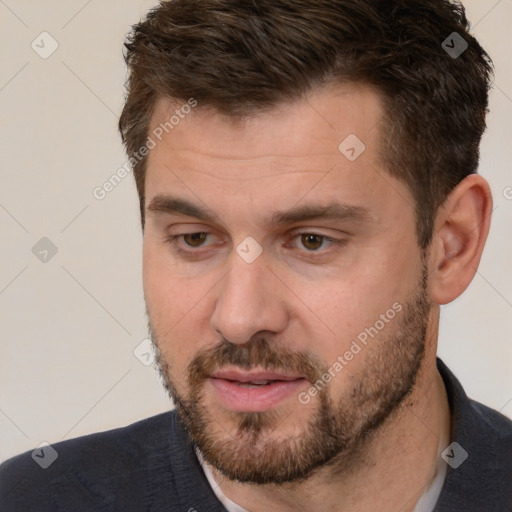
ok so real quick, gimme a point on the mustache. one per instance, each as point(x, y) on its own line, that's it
point(258, 352)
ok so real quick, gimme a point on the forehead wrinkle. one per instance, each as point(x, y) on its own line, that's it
point(307, 168)
point(198, 151)
point(254, 178)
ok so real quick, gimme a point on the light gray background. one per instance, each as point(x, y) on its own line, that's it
point(69, 326)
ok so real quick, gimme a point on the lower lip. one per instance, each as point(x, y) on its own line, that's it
point(242, 399)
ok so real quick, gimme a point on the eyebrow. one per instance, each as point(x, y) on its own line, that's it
point(334, 211)
point(175, 206)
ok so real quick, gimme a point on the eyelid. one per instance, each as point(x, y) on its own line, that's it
point(314, 231)
point(172, 238)
point(293, 234)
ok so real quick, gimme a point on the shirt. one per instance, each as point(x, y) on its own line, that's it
point(152, 466)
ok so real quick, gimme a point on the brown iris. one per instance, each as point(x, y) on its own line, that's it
point(311, 241)
point(194, 239)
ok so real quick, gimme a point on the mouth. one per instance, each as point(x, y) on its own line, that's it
point(254, 391)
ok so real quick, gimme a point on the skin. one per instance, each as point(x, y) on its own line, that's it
point(310, 302)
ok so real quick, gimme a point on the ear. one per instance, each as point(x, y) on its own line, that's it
point(460, 231)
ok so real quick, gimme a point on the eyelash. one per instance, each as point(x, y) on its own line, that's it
point(173, 241)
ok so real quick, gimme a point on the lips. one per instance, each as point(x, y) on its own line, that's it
point(255, 377)
point(254, 390)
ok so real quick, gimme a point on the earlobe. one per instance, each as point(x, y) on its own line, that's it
point(461, 229)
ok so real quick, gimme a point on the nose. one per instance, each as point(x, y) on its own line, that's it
point(250, 300)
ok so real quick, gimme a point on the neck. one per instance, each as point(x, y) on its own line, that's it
point(397, 464)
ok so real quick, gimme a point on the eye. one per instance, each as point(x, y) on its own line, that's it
point(309, 242)
point(315, 242)
point(187, 241)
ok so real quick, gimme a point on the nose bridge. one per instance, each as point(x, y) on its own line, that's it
point(249, 301)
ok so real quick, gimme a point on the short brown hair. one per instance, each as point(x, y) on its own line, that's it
point(244, 56)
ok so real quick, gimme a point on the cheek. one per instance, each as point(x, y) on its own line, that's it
point(167, 296)
point(156, 284)
point(179, 310)
point(361, 306)
point(167, 303)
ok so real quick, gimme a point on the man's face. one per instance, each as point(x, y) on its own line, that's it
point(290, 310)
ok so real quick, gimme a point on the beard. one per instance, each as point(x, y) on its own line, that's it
point(337, 432)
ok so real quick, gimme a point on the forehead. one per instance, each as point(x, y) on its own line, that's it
point(301, 149)
point(309, 126)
